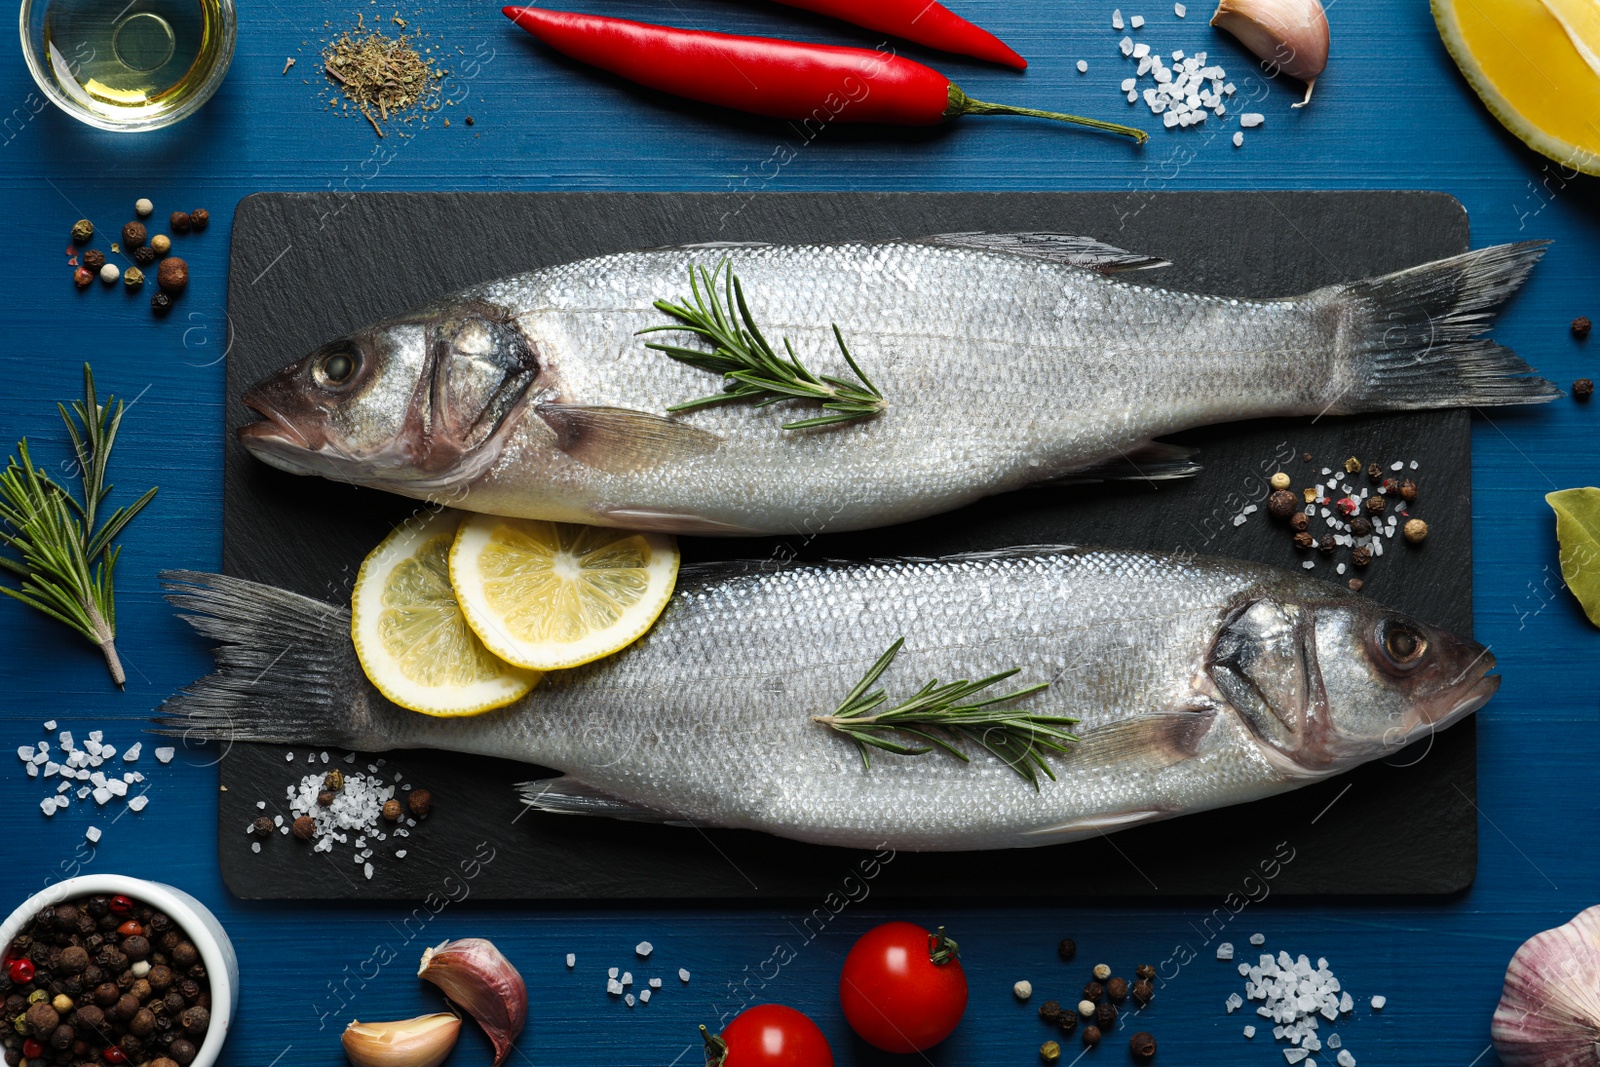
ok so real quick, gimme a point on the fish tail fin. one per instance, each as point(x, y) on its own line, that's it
point(286, 672)
point(1411, 339)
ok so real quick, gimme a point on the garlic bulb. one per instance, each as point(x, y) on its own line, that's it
point(1549, 1013)
point(1287, 35)
point(421, 1042)
point(474, 974)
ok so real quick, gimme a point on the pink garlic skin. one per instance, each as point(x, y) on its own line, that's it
point(1291, 35)
point(474, 974)
point(1549, 1013)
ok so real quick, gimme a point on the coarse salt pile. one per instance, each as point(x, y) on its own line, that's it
point(1384, 526)
point(1296, 996)
point(78, 773)
point(619, 983)
point(355, 817)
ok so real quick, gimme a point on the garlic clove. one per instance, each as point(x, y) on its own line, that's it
point(474, 974)
point(420, 1042)
point(1549, 1012)
point(1287, 35)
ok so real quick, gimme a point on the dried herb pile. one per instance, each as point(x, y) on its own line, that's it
point(383, 77)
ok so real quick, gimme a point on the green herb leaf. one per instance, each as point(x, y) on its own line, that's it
point(750, 368)
point(66, 565)
point(937, 714)
point(1578, 530)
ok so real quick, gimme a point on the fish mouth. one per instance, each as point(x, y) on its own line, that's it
point(271, 429)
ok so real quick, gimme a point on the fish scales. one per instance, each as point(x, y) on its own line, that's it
point(1198, 683)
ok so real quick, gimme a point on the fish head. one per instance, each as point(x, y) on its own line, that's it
point(418, 402)
point(1328, 680)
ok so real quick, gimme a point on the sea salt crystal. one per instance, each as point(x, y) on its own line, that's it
point(255, 846)
point(1249, 1032)
point(613, 972)
point(1225, 951)
point(572, 960)
point(1379, 1002)
point(1116, 19)
point(643, 949)
point(644, 996)
point(133, 753)
point(1308, 564)
point(1240, 520)
point(1126, 46)
point(1235, 1002)
point(613, 987)
point(367, 870)
point(628, 1000)
point(1334, 1041)
point(48, 806)
point(1345, 1059)
point(1137, 22)
point(1238, 138)
point(1295, 1055)
point(51, 725)
point(683, 975)
point(288, 757)
point(1179, 10)
point(1128, 84)
point(1083, 67)
point(25, 753)
point(164, 755)
point(102, 795)
point(655, 983)
point(1251, 119)
point(1413, 464)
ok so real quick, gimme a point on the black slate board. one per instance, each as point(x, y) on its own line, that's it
point(306, 267)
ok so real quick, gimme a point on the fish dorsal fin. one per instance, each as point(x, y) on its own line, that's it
point(1070, 249)
point(568, 796)
point(622, 440)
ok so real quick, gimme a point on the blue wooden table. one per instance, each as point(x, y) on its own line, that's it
point(1391, 112)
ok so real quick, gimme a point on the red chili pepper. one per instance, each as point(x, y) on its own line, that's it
point(21, 971)
point(926, 23)
point(780, 79)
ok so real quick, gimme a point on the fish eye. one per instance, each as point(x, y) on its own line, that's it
point(337, 367)
point(1403, 645)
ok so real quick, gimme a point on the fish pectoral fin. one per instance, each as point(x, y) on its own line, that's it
point(568, 796)
point(1089, 824)
point(676, 522)
point(1070, 249)
point(622, 440)
point(1149, 741)
point(1153, 461)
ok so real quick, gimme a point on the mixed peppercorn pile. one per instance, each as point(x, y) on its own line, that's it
point(1098, 1008)
point(101, 980)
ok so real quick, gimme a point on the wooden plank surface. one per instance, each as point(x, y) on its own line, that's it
point(1390, 113)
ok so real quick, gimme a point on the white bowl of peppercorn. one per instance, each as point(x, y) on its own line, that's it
point(116, 970)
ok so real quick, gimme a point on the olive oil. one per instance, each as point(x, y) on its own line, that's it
point(136, 61)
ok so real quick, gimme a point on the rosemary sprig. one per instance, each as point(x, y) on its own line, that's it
point(66, 564)
point(750, 368)
point(936, 714)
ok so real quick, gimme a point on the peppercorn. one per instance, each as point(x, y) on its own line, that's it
point(144, 255)
point(74, 959)
point(94, 259)
point(1067, 1022)
point(1105, 1016)
point(1352, 465)
point(1356, 584)
point(106, 994)
point(1327, 544)
point(1102, 971)
point(1049, 1011)
point(420, 801)
point(1360, 526)
point(130, 928)
point(163, 1062)
point(62, 1004)
point(88, 1017)
point(1304, 540)
point(1279, 480)
point(142, 207)
point(262, 825)
point(1347, 505)
point(1050, 1052)
point(325, 799)
point(189, 989)
point(183, 1051)
point(1361, 555)
point(82, 230)
point(1408, 490)
point(133, 235)
point(143, 1023)
point(1117, 990)
point(1581, 326)
point(304, 828)
point(391, 810)
point(1299, 521)
point(1144, 990)
point(186, 955)
point(174, 1002)
point(133, 277)
point(1305, 457)
point(1091, 1036)
point(160, 303)
point(63, 1037)
point(42, 1019)
point(469, 120)
point(160, 244)
point(195, 1020)
point(1377, 504)
point(1086, 1008)
point(1582, 389)
point(179, 221)
point(1067, 948)
point(1281, 504)
point(1093, 992)
point(82, 277)
point(1142, 1045)
point(1144, 972)
point(199, 218)
point(1415, 531)
point(160, 977)
point(173, 274)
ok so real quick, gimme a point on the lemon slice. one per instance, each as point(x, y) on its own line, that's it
point(1536, 65)
point(409, 633)
point(549, 595)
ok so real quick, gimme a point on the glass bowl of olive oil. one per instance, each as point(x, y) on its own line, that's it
point(128, 65)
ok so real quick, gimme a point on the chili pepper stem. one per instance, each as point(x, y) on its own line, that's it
point(962, 104)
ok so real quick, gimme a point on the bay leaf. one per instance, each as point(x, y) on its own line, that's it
point(1578, 531)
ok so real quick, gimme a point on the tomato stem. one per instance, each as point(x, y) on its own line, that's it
point(962, 104)
point(716, 1048)
point(941, 949)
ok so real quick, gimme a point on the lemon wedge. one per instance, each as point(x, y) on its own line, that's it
point(549, 595)
point(1536, 65)
point(412, 640)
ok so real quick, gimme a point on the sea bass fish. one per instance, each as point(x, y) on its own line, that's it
point(1197, 683)
point(1002, 360)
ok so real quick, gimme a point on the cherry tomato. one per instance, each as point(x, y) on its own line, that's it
point(903, 989)
point(21, 971)
point(768, 1035)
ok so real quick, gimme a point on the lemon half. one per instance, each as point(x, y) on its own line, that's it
point(410, 635)
point(1536, 65)
point(549, 595)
